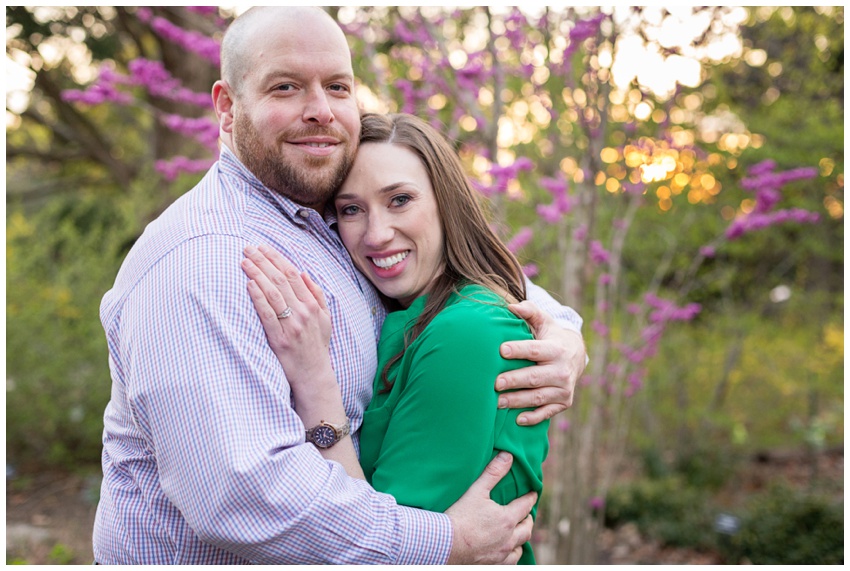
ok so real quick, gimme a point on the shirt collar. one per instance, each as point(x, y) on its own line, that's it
point(230, 164)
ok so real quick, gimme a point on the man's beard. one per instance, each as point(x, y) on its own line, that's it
point(311, 186)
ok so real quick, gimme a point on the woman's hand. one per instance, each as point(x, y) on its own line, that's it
point(297, 321)
point(295, 317)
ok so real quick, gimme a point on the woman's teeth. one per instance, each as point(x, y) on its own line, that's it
point(389, 262)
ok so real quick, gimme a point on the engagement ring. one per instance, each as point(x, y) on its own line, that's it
point(285, 313)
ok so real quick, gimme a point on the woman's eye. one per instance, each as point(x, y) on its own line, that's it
point(400, 200)
point(348, 210)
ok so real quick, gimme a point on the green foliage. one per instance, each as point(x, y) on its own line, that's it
point(747, 377)
point(802, 69)
point(778, 527)
point(785, 527)
point(60, 261)
point(61, 554)
point(667, 509)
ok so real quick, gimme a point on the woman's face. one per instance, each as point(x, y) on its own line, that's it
point(389, 222)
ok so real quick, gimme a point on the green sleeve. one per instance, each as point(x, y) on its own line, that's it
point(446, 423)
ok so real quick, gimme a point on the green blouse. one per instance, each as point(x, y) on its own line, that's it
point(430, 437)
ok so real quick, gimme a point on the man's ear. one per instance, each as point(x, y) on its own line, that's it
point(223, 101)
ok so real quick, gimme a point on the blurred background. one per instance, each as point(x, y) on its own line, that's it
point(676, 175)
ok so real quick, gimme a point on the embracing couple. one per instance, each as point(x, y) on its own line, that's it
point(310, 349)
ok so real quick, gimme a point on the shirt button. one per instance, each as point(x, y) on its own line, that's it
point(304, 213)
point(374, 310)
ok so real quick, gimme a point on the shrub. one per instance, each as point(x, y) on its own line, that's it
point(784, 527)
point(665, 509)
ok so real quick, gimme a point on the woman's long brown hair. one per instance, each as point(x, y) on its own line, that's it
point(472, 251)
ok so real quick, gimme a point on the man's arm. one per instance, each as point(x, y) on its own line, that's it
point(558, 350)
point(214, 406)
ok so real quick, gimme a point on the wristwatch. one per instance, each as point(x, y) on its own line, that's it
point(324, 435)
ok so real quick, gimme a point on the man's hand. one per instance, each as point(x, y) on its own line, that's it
point(483, 532)
point(549, 385)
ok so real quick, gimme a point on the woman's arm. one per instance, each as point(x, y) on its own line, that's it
point(444, 427)
point(297, 323)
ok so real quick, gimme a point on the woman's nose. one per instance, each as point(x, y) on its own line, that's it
point(378, 233)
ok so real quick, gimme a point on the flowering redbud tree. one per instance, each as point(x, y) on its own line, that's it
point(567, 159)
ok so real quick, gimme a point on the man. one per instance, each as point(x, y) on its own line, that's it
point(204, 459)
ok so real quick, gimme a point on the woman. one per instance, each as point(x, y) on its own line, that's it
point(412, 225)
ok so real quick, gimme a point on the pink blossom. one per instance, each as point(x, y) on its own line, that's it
point(562, 204)
point(600, 328)
point(171, 169)
point(160, 83)
point(615, 369)
point(580, 233)
point(530, 270)
point(598, 254)
point(563, 425)
point(634, 188)
point(707, 251)
point(635, 380)
point(520, 239)
point(195, 42)
point(204, 10)
point(596, 503)
point(204, 129)
point(502, 175)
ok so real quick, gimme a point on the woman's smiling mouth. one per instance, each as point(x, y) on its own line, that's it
point(390, 261)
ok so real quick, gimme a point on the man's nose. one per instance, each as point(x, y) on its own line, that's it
point(318, 109)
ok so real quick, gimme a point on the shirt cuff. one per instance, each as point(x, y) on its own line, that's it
point(426, 537)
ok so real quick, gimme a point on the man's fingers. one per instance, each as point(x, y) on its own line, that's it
point(534, 398)
point(532, 350)
point(520, 510)
point(492, 474)
point(538, 415)
point(513, 558)
point(530, 313)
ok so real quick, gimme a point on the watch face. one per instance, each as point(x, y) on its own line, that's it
point(324, 436)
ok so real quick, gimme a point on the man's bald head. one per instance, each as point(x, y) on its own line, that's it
point(246, 34)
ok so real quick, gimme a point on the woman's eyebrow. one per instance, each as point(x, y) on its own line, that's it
point(389, 188)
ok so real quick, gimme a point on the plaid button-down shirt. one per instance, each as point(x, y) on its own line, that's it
point(204, 458)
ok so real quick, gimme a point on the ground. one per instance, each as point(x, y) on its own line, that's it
point(49, 515)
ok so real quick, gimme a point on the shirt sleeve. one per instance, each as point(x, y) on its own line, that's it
point(444, 426)
point(213, 405)
point(566, 317)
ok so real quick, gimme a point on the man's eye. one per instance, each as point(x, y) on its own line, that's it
point(285, 87)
